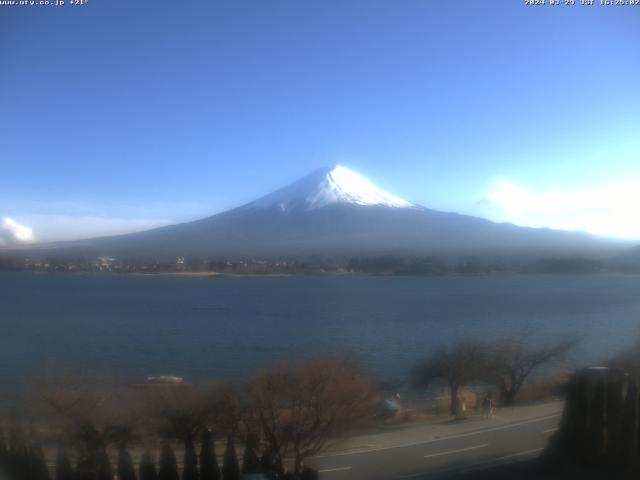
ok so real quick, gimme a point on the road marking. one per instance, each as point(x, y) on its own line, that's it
point(440, 439)
point(451, 452)
point(336, 469)
point(519, 454)
point(474, 466)
point(492, 429)
point(550, 430)
point(414, 475)
point(495, 461)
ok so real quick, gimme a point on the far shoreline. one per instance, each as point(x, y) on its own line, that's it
point(204, 274)
point(214, 274)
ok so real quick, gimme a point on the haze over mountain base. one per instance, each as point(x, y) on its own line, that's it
point(334, 212)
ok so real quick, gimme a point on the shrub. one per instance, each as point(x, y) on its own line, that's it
point(190, 464)
point(148, 467)
point(168, 465)
point(4, 454)
point(125, 465)
point(105, 471)
point(209, 469)
point(64, 470)
point(37, 465)
point(230, 467)
point(250, 460)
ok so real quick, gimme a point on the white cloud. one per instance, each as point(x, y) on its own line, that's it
point(609, 209)
point(54, 228)
point(12, 233)
point(59, 220)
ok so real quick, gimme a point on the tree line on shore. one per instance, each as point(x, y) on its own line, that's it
point(412, 265)
point(506, 364)
point(280, 416)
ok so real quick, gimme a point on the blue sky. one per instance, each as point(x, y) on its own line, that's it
point(121, 115)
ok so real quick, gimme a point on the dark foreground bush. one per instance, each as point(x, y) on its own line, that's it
point(250, 460)
point(125, 465)
point(148, 467)
point(190, 463)
point(230, 467)
point(600, 428)
point(168, 465)
point(209, 468)
point(64, 470)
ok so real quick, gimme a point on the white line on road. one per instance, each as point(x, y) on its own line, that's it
point(474, 466)
point(414, 475)
point(337, 469)
point(519, 454)
point(494, 429)
point(441, 439)
point(550, 430)
point(451, 452)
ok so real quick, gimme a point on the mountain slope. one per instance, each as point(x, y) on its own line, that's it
point(329, 186)
point(334, 211)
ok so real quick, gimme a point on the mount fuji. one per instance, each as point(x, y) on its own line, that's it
point(329, 186)
point(334, 211)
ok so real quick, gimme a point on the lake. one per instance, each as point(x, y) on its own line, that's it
point(135, 326)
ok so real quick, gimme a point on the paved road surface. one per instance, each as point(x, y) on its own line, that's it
point(429, 451)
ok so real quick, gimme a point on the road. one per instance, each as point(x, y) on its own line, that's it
point(429, 451)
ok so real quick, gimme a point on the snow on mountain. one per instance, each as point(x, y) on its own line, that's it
point(329, 186)
point(332, 211)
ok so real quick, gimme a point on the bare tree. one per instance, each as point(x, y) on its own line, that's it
point(85, 407)
point(90, 412)
point(302, 407)
point(512, 361)
point(457, 366)
point(184, 411)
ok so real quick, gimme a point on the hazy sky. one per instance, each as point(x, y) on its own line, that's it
point(121, 115)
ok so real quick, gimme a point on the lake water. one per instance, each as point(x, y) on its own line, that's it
point(137, 326)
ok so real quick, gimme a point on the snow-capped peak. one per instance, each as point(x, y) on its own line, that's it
point(330, 186)
point(342, 185)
